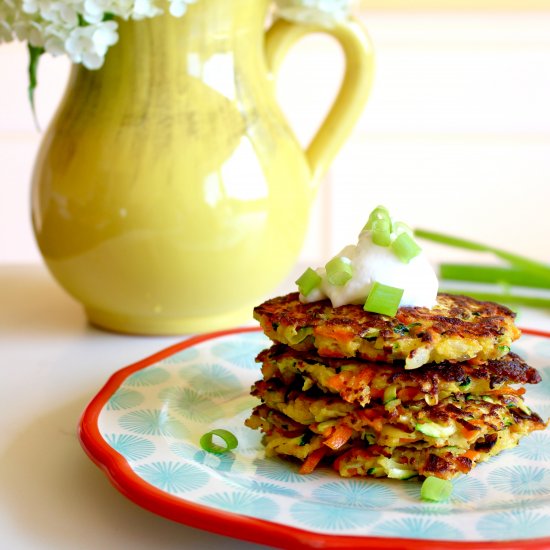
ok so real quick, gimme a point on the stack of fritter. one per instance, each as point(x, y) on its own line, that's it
point(428, 392)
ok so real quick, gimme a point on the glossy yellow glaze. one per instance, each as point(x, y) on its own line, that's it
point(169, 195)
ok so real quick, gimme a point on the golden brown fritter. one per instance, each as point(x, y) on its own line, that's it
point(445, 440)
point(457, 328)
point(458, 421)
point(358, 381)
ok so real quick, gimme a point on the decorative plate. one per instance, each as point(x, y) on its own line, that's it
point(144, 426)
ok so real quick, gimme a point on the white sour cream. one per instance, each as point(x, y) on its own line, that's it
point(372, 263)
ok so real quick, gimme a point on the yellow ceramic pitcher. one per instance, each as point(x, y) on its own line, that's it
point(169, 194)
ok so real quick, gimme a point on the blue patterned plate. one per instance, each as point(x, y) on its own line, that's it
point(144, 426)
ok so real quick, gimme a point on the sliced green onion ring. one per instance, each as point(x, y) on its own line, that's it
point(383, 299)
point(405, 248)
point(207, 443)
point(401, 227)
point(436, 489)
point(308, 281)
point(379, 213)
point(381, 232)
point(339, 271)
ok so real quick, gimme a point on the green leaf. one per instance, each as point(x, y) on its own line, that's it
point(34, 56)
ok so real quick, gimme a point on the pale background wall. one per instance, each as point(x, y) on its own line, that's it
point(456, 135)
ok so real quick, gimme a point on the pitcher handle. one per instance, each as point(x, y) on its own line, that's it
point(352, 95)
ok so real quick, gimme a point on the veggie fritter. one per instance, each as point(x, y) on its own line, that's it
point(458, 328)
point(459, 421)
point(402, 462)
point(429, 392)
point(359, 381)
point(390, 436)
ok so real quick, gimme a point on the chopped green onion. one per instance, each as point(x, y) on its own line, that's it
point(431, 429)
point(206, 441)
point(390, 393)
point(402, 227)
point(308, 281)
point(405, 248)
point(339, 271)
point(436, 489)
point(379, 213)
point(401, 329)
point(383, 299)
point(381, 232)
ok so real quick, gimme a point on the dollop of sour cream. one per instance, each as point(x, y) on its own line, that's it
point(372, 263)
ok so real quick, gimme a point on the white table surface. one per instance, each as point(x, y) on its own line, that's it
point(53, 363)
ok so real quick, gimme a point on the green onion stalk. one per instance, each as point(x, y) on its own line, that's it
point(518, 271)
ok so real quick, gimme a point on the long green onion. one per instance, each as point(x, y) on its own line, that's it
point(383, 299)
point(520, 262)
point(207, 443)
point(339, 271)
point(405, 248)
point(479, 273)
point(436, 489)
point(308, 281)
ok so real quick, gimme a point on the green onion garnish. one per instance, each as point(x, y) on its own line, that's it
point(402, 227)
point(339, 271)
point(379, 213)
point(405, 248)
point(383, 299)
point(207, 443)
point(436, 489)
point(381, 232)
point(308, 281)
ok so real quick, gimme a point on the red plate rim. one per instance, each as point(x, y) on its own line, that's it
point(239, 526)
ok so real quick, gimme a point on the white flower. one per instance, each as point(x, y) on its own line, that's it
point(88, 45)
point(145, 8)
point(55, 45)
point(94, 10)
point(5, 32)
point(315, 12)
point(178, 8)
point(79, 28)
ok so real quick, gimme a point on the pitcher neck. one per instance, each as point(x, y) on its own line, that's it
point(211, 24)
point(167, 50)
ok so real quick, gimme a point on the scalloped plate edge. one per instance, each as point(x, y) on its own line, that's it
point(238, 526)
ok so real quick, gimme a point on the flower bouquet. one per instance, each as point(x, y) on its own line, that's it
point(85, 29)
